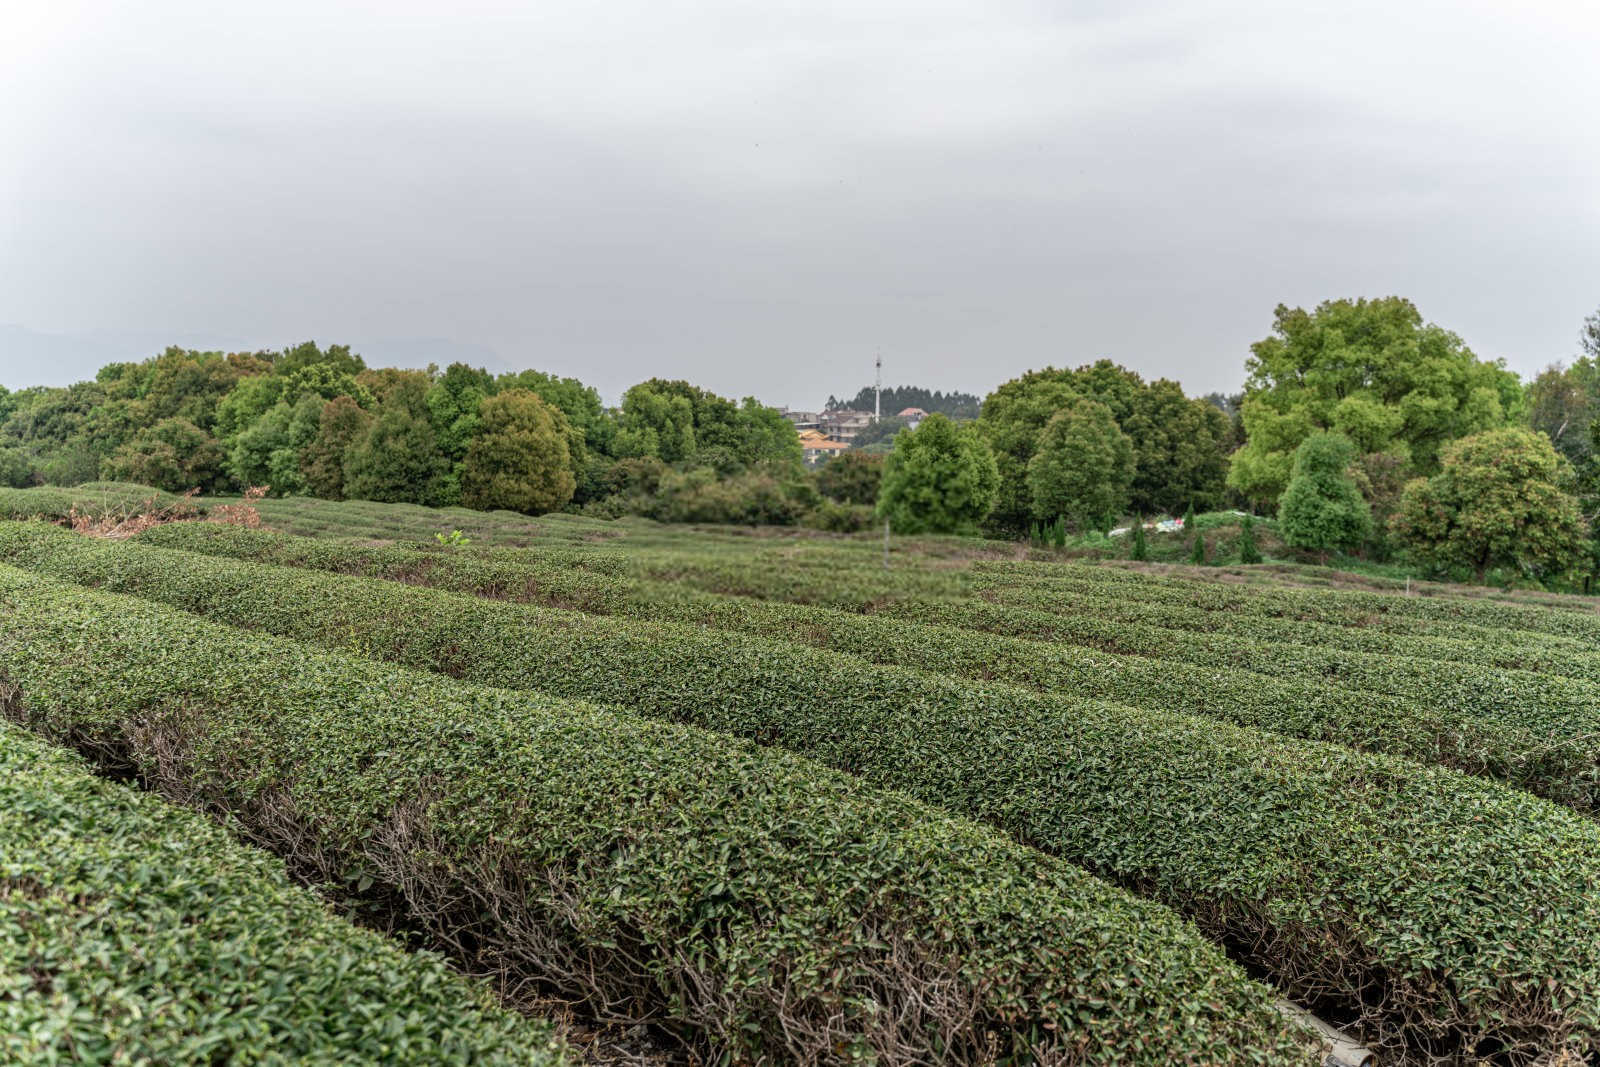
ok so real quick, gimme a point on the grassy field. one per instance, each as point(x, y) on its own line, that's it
point(783, 796)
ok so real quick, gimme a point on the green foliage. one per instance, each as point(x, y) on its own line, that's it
point(1408, 688)
point(1248, 552)
point(1501, 499)
point(851, 478)
point(1372, 371)
point(174, 455)
point(679, 423)
point(453, 539)
point(578, 402)
point(1085, 780)
point(269, 451)
point(397, 458)
point(339, 425)
point(453, 401)
point(1197, 552)
point(940, 478)
point(1082, 467)
point(337, 360)
point(1178, 443)
point(519, 460)
point(1322, 510)
point(136, 932)
point(748, 901)
point(896, 398)
point(1141, 547)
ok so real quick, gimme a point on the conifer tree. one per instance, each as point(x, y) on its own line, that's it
point(1141, 550)
point(1248, 552)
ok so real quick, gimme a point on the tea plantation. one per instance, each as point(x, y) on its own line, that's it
point(748, 797)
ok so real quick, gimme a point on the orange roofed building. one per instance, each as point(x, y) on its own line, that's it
point(818, 446)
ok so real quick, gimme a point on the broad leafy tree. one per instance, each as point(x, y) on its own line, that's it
point(1502, 498)
point(578, 402)
point(1083, 468)
point(397, 458)
point(680, 423)
point(1180, 444)
point(1013, 416)
point(174, 454)
point(1372, 371)
point(940, 478)
point(340, 423)
point(520, 459)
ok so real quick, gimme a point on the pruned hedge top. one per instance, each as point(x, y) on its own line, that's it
point(135, 932)
point(1461, 916)
point(1550, 762)
point(749, 901)
point(1536, 618)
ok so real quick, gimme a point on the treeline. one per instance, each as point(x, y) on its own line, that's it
point(319, 421)
point(897, 398)
point(1362, 428)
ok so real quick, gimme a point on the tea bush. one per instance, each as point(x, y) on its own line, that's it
point(751, 903)
point(134, 932)
point(1564, 770)
point(1453, 914)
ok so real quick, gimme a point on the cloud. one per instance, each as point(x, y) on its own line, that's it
point(761, 197)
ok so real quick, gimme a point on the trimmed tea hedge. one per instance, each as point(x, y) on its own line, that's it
point(1462, 916)
point(1507, 695)
point(96, 499)
point(754, 904)
point(134, 932)
point(1374, 722)
point(1449, 643)
point(1329, 604)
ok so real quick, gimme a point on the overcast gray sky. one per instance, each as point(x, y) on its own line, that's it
point(760, 196)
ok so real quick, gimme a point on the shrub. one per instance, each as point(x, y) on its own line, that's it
point(755, 905)
point(132, 931)
point(851, 478)
point(839, 518)
point(1256, 830)
point(1322, 510)
point(1141, 547)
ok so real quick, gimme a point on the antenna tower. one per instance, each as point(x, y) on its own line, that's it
point(877, 390)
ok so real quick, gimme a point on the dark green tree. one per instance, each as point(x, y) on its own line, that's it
point(578, 402)
point(1197, 550)
point(1249, 552)
point(453, 401)
point(1322, 510)
point(339, 424)
point(851, 478)
point(397, 459)
point(1082, 467)
point(174, 455)
point(940, 478)
point(521, 459)
point(1141, 547)
point(1013, 416)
